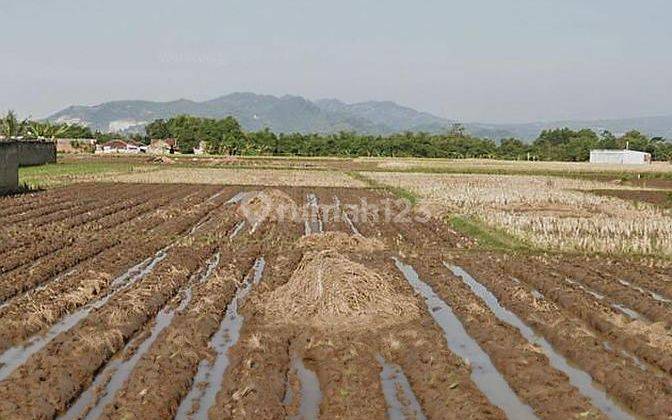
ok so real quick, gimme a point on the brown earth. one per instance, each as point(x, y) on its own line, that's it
point(335, 301)
point(656, 197)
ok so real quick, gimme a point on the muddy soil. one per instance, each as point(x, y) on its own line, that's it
point(663, 183)
point(619, 291)
point(36, 310)
point(180, 348)
point(526, 369)
point(36, 249)
point(77, 354)
point(654, 276)
point(44, 216)
point(659, 198)
point(573, 329)
point(254, 383)
point(262, 379)
point(277, 366)
point(66, 231)
point(637, 337)
point(196, 327)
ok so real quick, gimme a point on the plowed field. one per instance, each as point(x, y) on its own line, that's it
point(202, 301)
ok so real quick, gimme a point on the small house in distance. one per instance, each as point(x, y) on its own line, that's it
point(201, 148)
point(162, 146)
point(620, 157)
point(121, 146)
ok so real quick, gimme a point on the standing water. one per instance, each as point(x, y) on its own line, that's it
point(239, 197)
point(311, 396)
point(313, 224)
point(119, 370)
point(237, 229)
point(577, 377)
point(217, 194)
point(345, 217)
point(653, 294)
point(483, 373)
point(200, 398)
point(17, 355)
point(393, 382)
point(632, 314)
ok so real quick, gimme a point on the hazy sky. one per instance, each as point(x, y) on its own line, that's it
point(473, 60)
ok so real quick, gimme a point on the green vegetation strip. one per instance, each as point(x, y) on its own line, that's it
point(486, 237)
point(65, 173)
point(398, 192)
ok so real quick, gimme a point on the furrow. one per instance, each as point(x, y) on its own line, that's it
point(102, 334)
point(180, 348)
point(401, 401)
point(313, 223)
point(83, 205)
point(34, 311)
point(107, 383)
point(17, 355)
point(55, 237)
point(647, 341)
point(209, 377)
point(578, 378)
point(254, 382)
point(486, 377)
point(572, 334)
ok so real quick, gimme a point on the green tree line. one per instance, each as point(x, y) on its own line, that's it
point(225, 136)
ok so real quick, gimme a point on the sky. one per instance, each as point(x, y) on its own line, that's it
point(476, 60)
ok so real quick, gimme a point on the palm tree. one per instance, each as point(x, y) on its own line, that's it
point(47, 130)
point(11, 127)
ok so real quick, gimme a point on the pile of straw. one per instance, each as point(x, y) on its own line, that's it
point(340, 241)
point(327, 290)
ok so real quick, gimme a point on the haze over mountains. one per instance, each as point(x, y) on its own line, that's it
point(296, 114)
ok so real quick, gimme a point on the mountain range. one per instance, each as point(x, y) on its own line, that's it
point(296, 114)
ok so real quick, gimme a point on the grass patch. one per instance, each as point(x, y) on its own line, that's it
point(486, 237)
point(65, 173)
point(398, 192)
point(492, 239)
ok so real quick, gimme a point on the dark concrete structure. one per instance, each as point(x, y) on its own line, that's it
point(22, 153)
point(9, 167)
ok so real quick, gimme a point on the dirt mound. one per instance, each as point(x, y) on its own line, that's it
point(328, 290)
point(160, 159)
point(269, 204)
point(340, 241)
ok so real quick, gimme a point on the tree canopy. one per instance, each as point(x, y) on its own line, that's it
point(12, 127)
point(225, 136)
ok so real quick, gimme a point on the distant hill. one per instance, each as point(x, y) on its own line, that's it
point(289, 114)
point(284, 114)
point(388, 115)
point(280, 114)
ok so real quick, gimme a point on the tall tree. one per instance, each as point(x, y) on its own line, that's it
point(11, 126)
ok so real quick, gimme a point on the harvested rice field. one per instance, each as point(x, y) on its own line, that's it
point(551, 213)
point(246, 294)
point(268, 177)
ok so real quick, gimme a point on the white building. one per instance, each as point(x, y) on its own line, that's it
point(120, 146)
point(620, 157)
